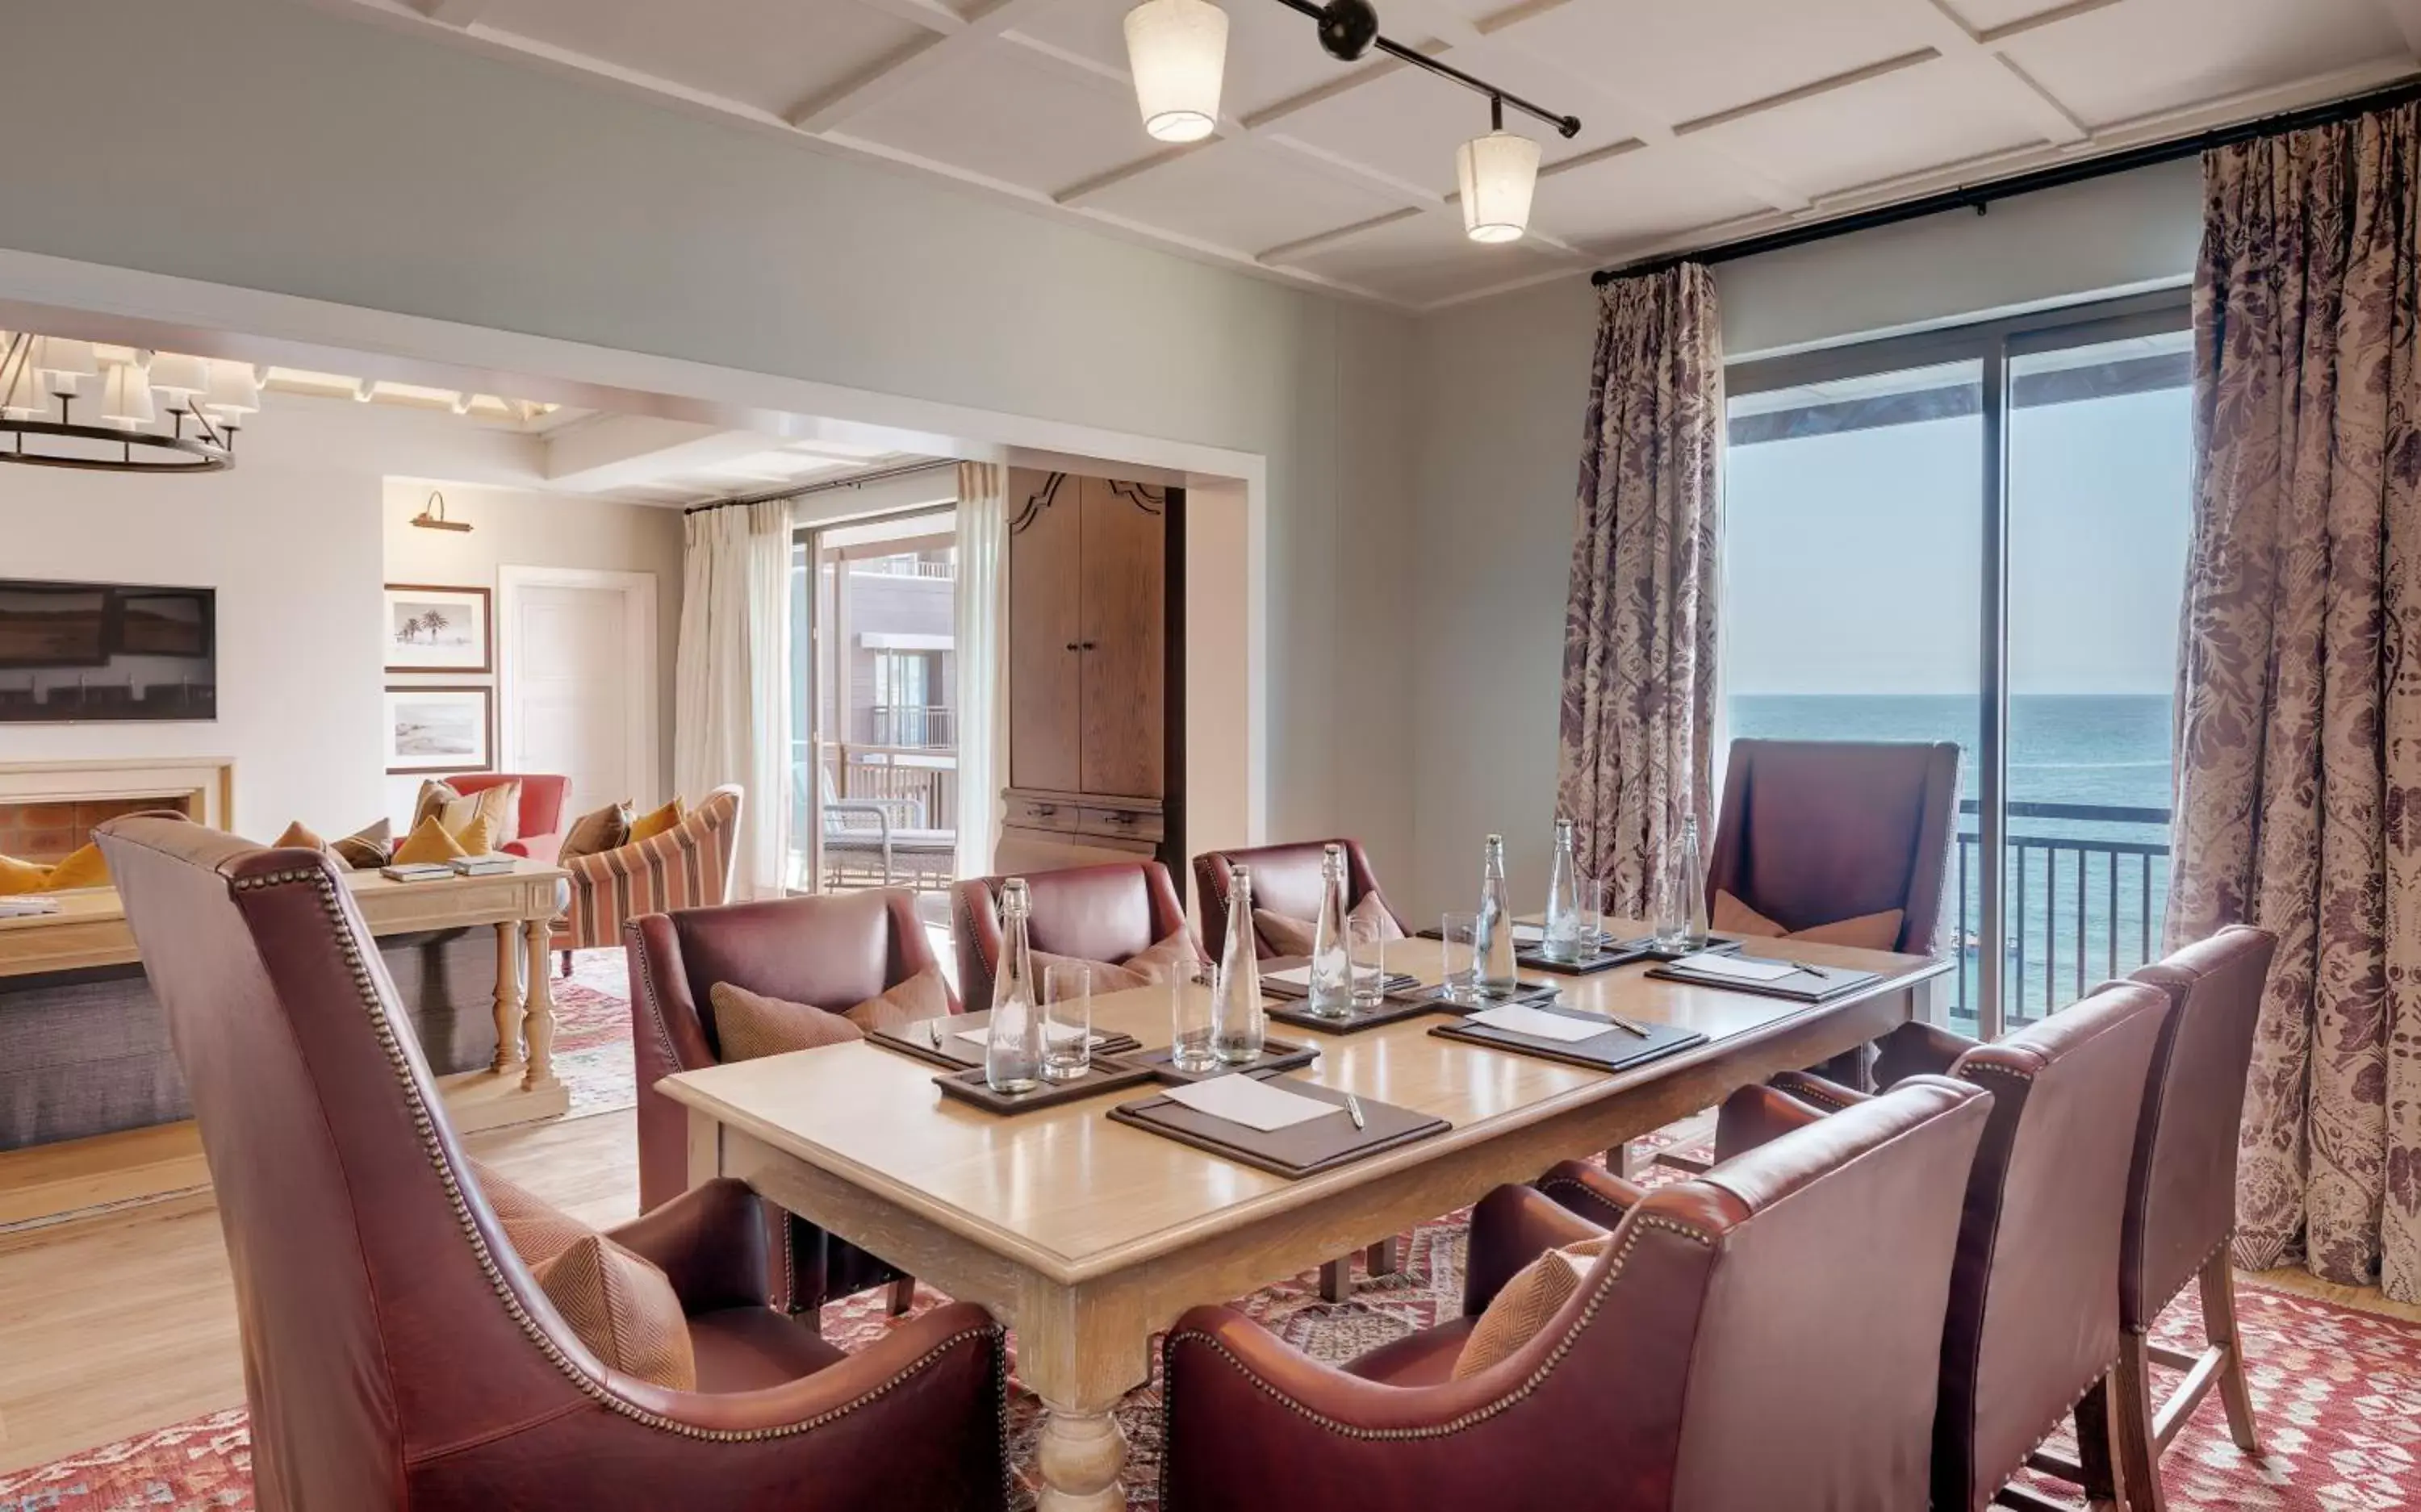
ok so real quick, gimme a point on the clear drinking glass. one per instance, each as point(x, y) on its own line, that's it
point(1368, 947)
point(1594, 893)
point(1067, 1021)
point(1459, 934)
point(1192, 994)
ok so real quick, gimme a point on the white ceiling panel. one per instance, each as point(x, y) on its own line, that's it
point(1749, 114)
point(1906, 121)
point(1426, 259)
point(1245, 194)
point(1004, 114)
point(770, 53)
point(2146, 56)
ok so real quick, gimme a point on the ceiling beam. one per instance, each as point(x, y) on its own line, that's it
point(620, 451)
point(917, 60)
point(1984, 62)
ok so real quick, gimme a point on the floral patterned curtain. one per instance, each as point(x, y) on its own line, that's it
point(2299, 710)
point(1639, 626)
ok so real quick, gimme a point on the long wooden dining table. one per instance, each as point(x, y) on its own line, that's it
point(1086, 1236)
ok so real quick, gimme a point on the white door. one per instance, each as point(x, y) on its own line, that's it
point(576, 701)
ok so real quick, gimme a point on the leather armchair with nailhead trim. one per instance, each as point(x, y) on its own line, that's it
point(1104, 912)
point(1285, 880)
point(1677, 1377)
point(397, 1355)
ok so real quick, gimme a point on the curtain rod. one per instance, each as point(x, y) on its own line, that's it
point(1977, 196)
point(880, 475)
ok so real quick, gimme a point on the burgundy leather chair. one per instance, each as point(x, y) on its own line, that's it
point(1285, 880)
point(833, 952)
point(397, 1353)
point(542, 811)
point(1743, 1343)
point(1092, 913)
point(2033, 1326)
point(2180, 1193)
point(1813, 832)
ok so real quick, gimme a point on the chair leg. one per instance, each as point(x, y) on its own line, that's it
point(2131, 1404)
point(2099, 1447)
point(1336, 1280)
point(2219, 1328)
point(1630, 1161)
point(903, 1296)
point(567, 963)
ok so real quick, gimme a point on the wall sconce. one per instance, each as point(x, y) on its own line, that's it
point(432, 516)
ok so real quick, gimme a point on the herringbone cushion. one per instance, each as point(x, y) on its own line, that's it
point(920, 997)
point(1519, 1311)
point(750, 1025)
point(623, 1309)
point(1287, 935)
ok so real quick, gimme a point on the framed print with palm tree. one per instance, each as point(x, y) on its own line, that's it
point(430, 628)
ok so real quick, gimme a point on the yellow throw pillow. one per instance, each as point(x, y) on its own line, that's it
point(500, 805)
point(1536, 1292)
point(649, 825)
point(18, 877)
point(749, 1025)
point(1867, 931)
point(428, 843)
point(82, 868)
point(920, 997)
point(593, 835)
point(298, 836)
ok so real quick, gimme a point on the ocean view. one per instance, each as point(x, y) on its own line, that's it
point(2097, 750)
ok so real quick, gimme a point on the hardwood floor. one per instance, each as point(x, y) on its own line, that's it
point(125, 1321)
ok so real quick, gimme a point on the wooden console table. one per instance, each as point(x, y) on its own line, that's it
point(519, 1086)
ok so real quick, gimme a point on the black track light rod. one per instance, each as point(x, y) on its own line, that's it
point(1349, 28)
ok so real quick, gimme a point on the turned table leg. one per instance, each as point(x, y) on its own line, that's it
point(1080, 1457)
point(537, 1010)
point(508, 998)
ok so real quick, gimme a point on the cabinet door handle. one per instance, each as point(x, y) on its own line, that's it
point(1086, 646)
point(1074, 647)
point(1044, 811)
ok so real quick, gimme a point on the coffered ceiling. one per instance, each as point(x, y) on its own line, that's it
point(1704, 119)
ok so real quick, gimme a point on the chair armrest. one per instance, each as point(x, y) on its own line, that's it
point(1917, 1050)
point(1756, 1116)
point(710, 1243)
point(881, 815)
point(543, 848)
point(1592, 1192)
point(1510, 1228)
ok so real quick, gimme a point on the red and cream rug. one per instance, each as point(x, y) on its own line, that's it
point(592, 1031)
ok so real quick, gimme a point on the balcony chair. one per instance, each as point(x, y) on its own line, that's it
point(2033, 1320)
point(540, 833)
point(398, 1354)
point(1742, 1343)
point(1285, 880)
point(1107, 914)
point(689, 866)
point(2180, 1194)
point(898, 836)
point(831, 952)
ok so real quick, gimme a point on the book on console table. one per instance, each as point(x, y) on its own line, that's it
point(418, 871)
point(487, 865)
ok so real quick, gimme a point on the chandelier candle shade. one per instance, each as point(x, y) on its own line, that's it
point(43, 381)
point(1178, 51)
point(1496, 174)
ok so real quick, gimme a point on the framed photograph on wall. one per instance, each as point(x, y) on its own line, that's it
point(440, 729)
point(430, 628)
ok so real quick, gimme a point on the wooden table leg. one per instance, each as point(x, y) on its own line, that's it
point(1081, 1351)
point(508, 997)
point(537, 1010)
point(1080, 1457)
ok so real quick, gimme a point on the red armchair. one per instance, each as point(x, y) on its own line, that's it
point(397, 1355)
point(833, 952)
point(1743, 1343)
point(1105, 913)
point(541, 810)
point(1285, 880)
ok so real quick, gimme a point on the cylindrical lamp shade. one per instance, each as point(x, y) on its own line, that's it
point(232, 394)
point(1178, 51)
point(178, 377)
point(65, 363)
point(126, 398)
point(1496, 174)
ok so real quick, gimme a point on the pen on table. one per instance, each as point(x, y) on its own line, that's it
point(1806, 970)
point(1627, 1026)
point(1353, 1111)
point(933, 1031)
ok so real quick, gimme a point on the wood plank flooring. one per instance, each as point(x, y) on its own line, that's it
point(125, 1321)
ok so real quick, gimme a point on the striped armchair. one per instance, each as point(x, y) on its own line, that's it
point(687, 866)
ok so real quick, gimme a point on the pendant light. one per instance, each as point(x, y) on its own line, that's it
point(126, 397)
point(1177, 52)
point(1496, 175)
point(178, 377)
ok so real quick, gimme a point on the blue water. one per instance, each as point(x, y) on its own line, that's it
point(2106, 750)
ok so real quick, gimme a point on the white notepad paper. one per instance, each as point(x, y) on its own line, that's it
point(1250, 1102)
point(1520, 1018)
point(1529, 934)
point(1294, 976)
point(1739, 968)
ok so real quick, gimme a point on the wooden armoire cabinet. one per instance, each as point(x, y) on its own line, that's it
point(1095, 658)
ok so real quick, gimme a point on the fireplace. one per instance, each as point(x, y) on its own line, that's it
point(48, 808)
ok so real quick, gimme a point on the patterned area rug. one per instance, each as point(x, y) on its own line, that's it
point(2337, 1394)
point(592, 1031)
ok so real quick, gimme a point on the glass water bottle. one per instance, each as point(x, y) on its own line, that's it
point(1491, 943)
point(1561, 940)
point(1238, 1027)
point(1332, 958)
point(1013, 1040)
point(1681, 892)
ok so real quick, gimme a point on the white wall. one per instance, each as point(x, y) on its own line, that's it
point(384, 172)
point(516, 527)
point(1497, 409)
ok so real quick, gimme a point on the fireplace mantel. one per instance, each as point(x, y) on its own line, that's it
point(202, 786)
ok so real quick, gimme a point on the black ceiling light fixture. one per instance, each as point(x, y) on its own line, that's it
point(1178, 53)
point(42, 380)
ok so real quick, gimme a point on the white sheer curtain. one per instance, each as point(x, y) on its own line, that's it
point(731, 720)
point(983, 660)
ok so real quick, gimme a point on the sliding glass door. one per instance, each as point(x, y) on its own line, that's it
point(1977, 534)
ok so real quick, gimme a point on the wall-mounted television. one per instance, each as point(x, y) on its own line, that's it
point(77, 652)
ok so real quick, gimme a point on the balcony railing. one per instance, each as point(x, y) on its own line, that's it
point(2085, 889)
point(919, 726)
point(903, 567)
point(916, 792)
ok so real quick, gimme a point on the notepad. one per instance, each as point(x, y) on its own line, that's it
point(1529, 934)
point(1737, 968)
point(1519, 1019)
point(1250, 1102)
point(1292, 976)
